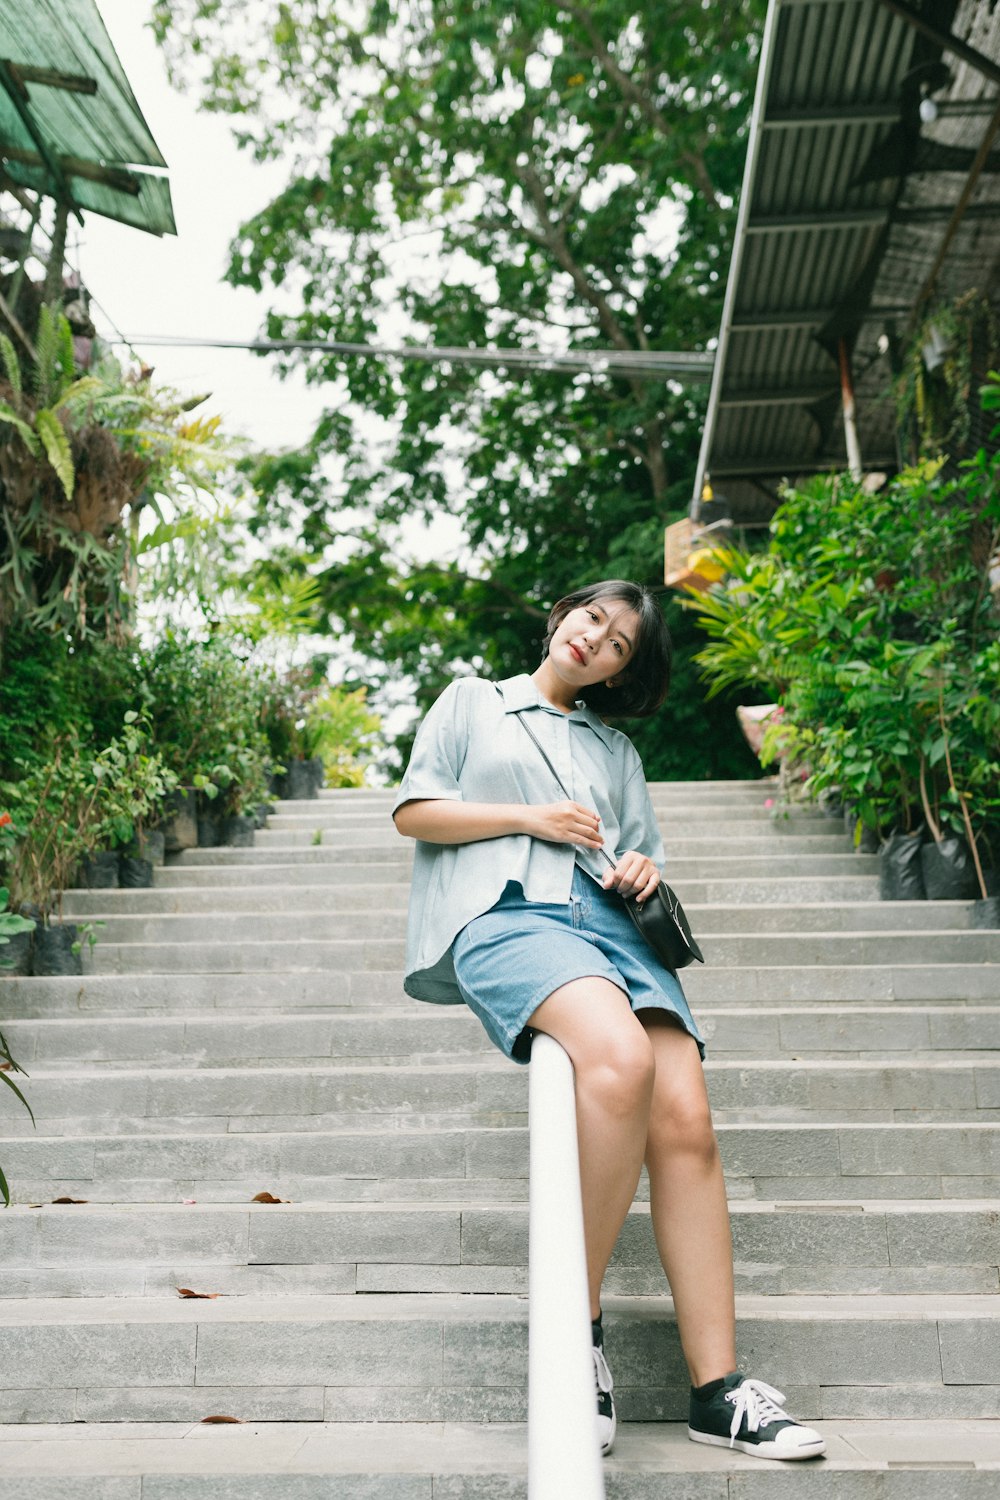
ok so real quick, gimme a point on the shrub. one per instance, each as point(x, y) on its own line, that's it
point(871, 620)
point(204, 701)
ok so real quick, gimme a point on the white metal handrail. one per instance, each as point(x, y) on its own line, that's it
point(563, 1454)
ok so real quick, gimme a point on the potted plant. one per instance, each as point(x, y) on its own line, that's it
point(293, 740)
point(205, 705)
point(134, 784)
point(15, 931)
point(57, 825)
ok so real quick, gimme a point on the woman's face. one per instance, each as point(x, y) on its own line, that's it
point(594, 642)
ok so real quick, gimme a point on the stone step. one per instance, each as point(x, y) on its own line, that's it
point(775, 1162)
point(320, 990)
point(445, 1358)
point(321, 866)
point(899, 1459)
point(760, 786)
point(680, 836)
point(415, 1032)
point(238, 1249)
point(367, 895)
point(289, 848)
point(722, 949)
point(485, 1091)
point(338, 817)
point(377, 919)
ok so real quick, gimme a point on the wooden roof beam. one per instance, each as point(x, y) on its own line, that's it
point(884, 113)
point(50, 78)
point(805, 317)
point(944, 39)
point(786, 395)
point(781, 466)
point(75, 166)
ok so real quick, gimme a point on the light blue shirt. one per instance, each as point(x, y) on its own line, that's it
point(471, 748)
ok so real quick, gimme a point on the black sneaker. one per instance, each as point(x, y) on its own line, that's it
point(607, 1418)
point(749, 1415)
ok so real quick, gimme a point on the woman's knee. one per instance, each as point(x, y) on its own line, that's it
point(682, 1123)
point(619, 1068)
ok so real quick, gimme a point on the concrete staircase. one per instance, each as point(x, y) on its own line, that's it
point(243, 1031)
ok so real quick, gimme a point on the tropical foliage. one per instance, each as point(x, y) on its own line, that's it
point(80, 457)
point(870, 619)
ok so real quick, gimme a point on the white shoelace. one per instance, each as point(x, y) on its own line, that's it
point(602, 1373)
point(759, 1402)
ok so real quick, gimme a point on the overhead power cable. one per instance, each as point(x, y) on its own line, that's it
point(656, 363)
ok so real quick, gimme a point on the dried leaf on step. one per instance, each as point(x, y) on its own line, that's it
point(71, 1200)
point(217, 1419)
point(185, 1291)
point(267, 1198)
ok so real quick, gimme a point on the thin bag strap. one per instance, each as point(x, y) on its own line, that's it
point(559, 782)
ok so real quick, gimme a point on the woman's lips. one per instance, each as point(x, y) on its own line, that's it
point(577, 653)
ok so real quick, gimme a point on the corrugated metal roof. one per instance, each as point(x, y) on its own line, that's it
point(847, 196)
point(78, 136)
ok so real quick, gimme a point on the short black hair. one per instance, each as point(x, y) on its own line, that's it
point(645, 678)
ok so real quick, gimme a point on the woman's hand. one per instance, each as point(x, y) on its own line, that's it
point(564, 823)
point(634, 875)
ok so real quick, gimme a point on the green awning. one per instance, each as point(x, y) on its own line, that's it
point(70, 126)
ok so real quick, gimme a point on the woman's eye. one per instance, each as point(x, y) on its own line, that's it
point(619, 648)
point(592, 616)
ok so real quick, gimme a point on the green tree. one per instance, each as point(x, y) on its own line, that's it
point(542, 177)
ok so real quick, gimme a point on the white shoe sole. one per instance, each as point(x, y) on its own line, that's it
point(761, 1450)
point(606, 1437)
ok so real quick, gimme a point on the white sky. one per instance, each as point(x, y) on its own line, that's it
point(174, 285)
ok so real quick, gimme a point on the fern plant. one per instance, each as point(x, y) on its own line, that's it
point(79, 457)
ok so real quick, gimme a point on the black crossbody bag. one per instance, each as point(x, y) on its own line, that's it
point(660, 918)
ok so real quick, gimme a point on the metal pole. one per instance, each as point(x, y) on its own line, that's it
point(563, 1452)
point(847, 401)
point(739, 240)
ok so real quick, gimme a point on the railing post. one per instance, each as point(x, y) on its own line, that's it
point(563, 1454)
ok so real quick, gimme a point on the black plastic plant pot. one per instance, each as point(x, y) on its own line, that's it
point(135, 872)
point(864, 839)
point(948, 871)
point(99, 871)
point(209, 831)
point(986, 913)
point(152, 846)
point(900, 874)
point(299, 782)
point(180, 830)
point(15, 956)
point(317, 771)
point(53, 950)
point(238, 830)
point(261, 813)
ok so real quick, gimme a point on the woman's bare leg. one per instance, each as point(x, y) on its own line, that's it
point(687, 1196)
point(612, 1057)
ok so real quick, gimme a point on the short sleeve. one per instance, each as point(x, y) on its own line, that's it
point(638, 828)
point(438, 752)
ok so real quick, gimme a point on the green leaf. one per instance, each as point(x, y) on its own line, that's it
point(57, 449)
point(6, 1078)
point(11, 364)
point(26, 431)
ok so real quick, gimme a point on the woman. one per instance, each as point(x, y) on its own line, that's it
point(513, 912)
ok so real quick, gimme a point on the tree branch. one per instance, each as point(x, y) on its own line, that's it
point(631, 91)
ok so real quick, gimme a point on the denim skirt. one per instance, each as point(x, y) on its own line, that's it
point(516, 954)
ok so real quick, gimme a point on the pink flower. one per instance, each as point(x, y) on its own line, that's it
point(768, 801)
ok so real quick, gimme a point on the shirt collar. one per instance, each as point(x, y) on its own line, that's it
point(520, 692)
